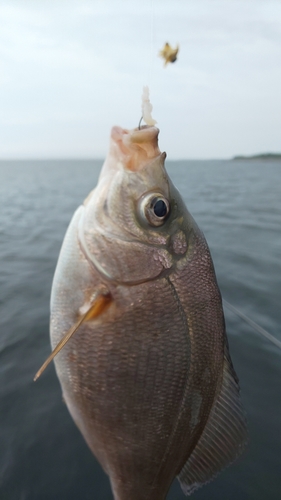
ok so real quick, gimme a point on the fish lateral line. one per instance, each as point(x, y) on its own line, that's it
point(100, 304)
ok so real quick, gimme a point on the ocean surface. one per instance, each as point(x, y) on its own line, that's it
point(237, 204)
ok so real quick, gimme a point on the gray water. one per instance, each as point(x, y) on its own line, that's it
point(238, 206)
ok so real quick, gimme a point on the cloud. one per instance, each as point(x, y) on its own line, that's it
point(69, 70)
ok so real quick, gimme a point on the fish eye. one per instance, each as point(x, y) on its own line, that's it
point(160, 208)
point(155, 208)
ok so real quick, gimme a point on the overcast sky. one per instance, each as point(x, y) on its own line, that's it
point(71, 69)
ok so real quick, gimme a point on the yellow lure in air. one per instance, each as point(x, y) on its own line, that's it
point(169, 54)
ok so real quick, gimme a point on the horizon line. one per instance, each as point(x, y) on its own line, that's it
point(103, 159)
point(254, 156)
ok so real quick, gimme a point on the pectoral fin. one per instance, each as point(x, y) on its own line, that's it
point(223, 438)
point(100, 303)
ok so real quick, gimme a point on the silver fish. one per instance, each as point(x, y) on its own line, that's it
point(145, 368)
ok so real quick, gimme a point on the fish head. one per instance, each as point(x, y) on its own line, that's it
point(132, 226)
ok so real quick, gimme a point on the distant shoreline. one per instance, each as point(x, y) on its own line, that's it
point(263, 156)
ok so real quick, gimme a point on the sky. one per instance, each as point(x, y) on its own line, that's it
point(72, 69)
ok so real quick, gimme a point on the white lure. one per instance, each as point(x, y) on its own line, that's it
point(146, 108)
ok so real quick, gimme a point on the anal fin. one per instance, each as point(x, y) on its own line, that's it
point(224, 436)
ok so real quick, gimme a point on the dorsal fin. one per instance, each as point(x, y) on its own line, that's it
point(224, 436)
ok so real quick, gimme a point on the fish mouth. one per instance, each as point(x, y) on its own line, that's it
point(135, 148)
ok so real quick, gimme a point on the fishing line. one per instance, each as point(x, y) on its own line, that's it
point(152, 55)
point(150, 62)
point(150, 59)
point(254, 325)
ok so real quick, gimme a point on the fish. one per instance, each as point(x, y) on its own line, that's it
point(138, 330)
point(169, 54)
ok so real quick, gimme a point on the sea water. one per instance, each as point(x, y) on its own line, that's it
point(237, 204)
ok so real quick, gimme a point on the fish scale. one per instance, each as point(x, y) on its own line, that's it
point(150, 384)
point(145, 369)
